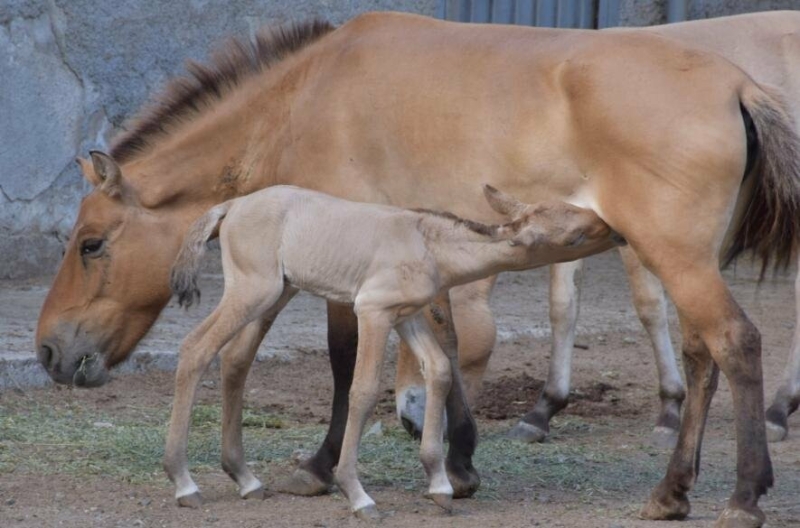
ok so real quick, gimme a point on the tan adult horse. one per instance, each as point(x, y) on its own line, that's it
point(766, 46)
point(659, 155)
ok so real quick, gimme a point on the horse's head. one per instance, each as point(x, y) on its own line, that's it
point(551, 231)
point(112, 282)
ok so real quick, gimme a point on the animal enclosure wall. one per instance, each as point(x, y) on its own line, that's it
point(71, 71)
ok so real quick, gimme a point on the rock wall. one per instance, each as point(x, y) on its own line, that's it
point(72, 70)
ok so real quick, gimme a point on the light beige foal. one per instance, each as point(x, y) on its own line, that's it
point(389, 263)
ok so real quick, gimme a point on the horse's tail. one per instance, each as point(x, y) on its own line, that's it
point(770, 225)
point(183, 277)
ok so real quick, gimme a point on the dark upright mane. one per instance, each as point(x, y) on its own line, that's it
point(475, 227)
point(204, 84)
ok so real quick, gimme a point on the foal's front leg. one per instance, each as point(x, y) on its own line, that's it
point(373, 331)
point(436, 370)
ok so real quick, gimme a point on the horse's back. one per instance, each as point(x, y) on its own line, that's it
point(537, 111)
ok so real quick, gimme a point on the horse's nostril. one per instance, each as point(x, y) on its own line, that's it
point(47, 356)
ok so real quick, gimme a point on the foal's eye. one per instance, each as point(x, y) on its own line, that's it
point(92, 247)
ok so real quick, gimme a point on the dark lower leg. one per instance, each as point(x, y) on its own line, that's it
point(462, 432)
point(342, 344)
point(669, 499)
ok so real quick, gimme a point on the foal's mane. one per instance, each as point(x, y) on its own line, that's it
point(475, 227)
point(189, 95)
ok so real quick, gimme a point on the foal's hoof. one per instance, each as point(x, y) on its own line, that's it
point(525, 432)
point(368, 513)
point(776, 432)
point(664, 437)
point(735, 518)
point(303, 482)
point(193, 500)
point(465, 482)
point(673, 509)
point(444, 501)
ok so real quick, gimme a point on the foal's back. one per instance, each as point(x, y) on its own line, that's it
point(316, 242)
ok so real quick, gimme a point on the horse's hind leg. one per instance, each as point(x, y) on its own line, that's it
point(237, 308)
point(787, 398)
point(565, 282)
point(651, 306)
point(668, 500)
point(314, 476)
point(436, 369)
point(708, 311)
point(237, 357)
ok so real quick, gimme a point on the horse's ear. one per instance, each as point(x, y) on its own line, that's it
point(106, 172)
point(503, 203)
point(88, 171)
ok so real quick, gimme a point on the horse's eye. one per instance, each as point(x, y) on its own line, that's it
point(92, 247)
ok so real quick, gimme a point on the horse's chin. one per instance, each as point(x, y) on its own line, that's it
point(91, 372)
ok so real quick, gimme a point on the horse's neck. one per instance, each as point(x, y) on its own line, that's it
point(226, 153)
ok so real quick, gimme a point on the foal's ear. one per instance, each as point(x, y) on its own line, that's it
point(503, 203)
point(107, 173)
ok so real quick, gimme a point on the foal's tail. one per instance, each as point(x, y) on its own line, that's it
point(183, 278)
point(770, 225)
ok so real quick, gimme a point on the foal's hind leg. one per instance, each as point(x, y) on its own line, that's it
point(564, 300)
point(787, 397)
point(236, 309)
point(651, 306)
point(237, 357)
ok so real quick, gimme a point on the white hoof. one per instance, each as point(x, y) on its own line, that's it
point(526, 432)
point(776, 433)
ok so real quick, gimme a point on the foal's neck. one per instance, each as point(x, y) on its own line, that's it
point(467, 251)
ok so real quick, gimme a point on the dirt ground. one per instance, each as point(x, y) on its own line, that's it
point(78, 458)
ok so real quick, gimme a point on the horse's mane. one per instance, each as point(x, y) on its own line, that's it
point(188, 95)
point(475, 227)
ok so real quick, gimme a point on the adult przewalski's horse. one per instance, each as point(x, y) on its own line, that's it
point(661, 156)
point(767, 47)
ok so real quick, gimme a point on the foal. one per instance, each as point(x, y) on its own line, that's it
point(389, 263)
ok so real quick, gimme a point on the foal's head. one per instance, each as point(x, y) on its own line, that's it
point(552, 231)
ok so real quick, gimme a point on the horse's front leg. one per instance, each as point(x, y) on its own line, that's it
point(565, 281)
point(373, 331)
point(237, 357)
point(651, 306)
point(787, 397)
point(314, 476)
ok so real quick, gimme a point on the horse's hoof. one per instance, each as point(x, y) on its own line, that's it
point(257, 494)
point(775, 432)
point(444, 501)
point(368, 513)
point(736, 518)
point(304, 483)
point(193, 500)
point(664, 437)
point(465, 482)
point(656, 510)
point(525, 432)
